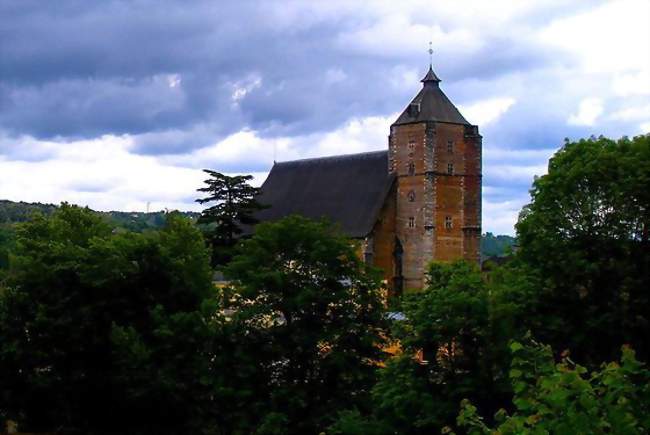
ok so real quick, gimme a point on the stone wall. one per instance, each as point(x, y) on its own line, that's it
point(383, 239)
point(438, 194)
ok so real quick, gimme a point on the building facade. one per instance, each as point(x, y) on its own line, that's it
point(416, 202)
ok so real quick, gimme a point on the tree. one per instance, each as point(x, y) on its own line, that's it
point(496, 246)
point(566, 398)
point(104, 332)
point(6, 244)
point(235, 206)
point(315, 313)
point(453, 343)
point(586, 233)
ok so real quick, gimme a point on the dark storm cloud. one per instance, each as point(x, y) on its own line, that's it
point(165, 70)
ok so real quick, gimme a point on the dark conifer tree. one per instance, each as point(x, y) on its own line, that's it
point(234, 207)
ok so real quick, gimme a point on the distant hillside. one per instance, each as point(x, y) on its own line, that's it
point(13, 212)
point(496, 246)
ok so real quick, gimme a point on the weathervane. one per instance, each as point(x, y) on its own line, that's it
point(430, 54)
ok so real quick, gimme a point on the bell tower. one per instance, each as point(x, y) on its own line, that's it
point(435, 155)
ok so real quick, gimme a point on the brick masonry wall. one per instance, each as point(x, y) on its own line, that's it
point(445, 207)
point(383, 239)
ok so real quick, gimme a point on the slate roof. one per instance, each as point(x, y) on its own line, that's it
point(349, 190)
point(433, 105)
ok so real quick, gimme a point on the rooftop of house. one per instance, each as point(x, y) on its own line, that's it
point(349, 190)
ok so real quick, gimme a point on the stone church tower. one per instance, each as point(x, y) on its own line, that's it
point(435, 156)
point(416, 202)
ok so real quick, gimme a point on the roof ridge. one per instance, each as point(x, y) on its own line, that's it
point(334, 158)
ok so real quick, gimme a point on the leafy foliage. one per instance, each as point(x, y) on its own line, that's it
point(496, 246)
point(234, 206)
point(7, 237)
point(454, 340)
point(567, 398)
point(586, 233)
point(315, 313)
point(12, 212)
point(85, 309)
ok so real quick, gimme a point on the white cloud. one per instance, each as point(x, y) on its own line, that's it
point(100, 173)
point(633, 113)
point(396, 34)
point(637, 83)
point(243, 87)
point(499, 217)
point(613, 37)
point(104, 174)
point(174, 80)
point(645, 128)
point(486, 112)
point(588, 112)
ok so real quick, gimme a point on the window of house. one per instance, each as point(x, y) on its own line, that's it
point(411, 222)
point(411, 168)
point(448, 222)
point(411, 147)
point(411, 196)
point(450, 146)
point(450, 168)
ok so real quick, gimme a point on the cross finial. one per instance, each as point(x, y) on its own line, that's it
point(430, 54)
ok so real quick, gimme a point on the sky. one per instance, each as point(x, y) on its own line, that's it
point(118, 105)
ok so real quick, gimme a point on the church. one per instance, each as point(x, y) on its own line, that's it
point(416, 202)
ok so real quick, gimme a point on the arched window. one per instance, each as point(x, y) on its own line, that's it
point(411, 168)
point(411, 196)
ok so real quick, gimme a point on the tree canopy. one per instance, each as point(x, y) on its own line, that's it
point(586, 232)
point(316, 312)
point(234, 205)
point(566, 398)
point(82, 305)
point(105, 330)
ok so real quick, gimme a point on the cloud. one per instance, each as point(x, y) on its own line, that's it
point(588, 112)
point(104, 175)
point(611, 37)
point(644, 128)
point(628, 84)
point(499, 216)
point(115, 105)
point(487, 111)
point(632, 113)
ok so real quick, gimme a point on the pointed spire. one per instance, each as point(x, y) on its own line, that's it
point(431, 77)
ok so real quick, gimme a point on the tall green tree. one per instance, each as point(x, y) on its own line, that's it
point(234, 206)
point(586, 233)
point(102, 332)
point(315, 312)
